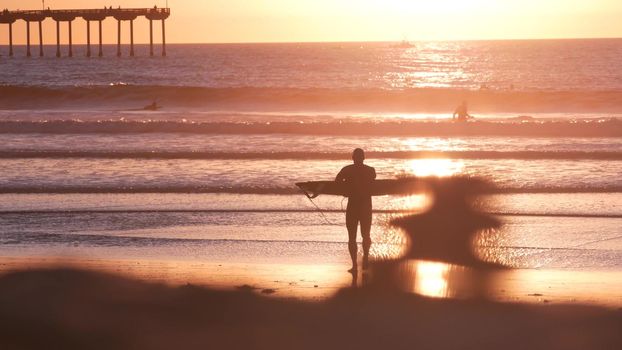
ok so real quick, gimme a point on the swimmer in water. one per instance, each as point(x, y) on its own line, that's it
point(462, 113)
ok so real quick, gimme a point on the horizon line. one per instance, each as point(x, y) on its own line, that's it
point(336, 41)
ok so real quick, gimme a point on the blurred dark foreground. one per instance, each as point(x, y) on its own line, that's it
point(72, 309)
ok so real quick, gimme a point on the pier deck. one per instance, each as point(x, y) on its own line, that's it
point(89, 15)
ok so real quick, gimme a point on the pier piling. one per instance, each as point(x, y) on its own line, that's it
point(70, 40)
point(40, 38)
point(28, 39)
point(101, 51)
point(88, 38)
point(163, 39)
point(132, 38)
point(57, 39)
point(150, 37)
point(10, 39)
point(118, 38)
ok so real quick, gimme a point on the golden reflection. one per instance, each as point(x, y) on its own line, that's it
point(490, 245)
point(441, 280)
point(436, 167)
point(416, 202)
point(419, 116)
point(431, 279)
point(438, 144)
point(386, 251)
point(389, 244)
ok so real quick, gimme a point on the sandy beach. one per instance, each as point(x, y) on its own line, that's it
point(73, 309)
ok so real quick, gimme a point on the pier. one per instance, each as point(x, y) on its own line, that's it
point(88, 15)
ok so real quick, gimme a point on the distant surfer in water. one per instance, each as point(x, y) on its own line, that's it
point(358, 178)
point(462, 113)
point(152, 107)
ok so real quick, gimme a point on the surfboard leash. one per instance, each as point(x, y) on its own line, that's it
point(319, 210)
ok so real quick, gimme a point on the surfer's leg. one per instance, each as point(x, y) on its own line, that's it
point(351, 224)
point(366, 233)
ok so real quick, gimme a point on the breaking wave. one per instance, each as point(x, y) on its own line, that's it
point(611, 127)
point(198, 155)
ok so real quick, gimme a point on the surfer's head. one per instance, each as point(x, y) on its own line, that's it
point(358, 156)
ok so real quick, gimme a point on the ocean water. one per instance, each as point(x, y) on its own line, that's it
point(87, 172)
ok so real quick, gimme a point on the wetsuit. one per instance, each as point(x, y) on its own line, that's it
point(462, 113)
point(359, 178)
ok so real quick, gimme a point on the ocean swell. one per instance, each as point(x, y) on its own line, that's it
point(432, 100)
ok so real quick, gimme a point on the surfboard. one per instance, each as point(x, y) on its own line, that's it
point(466, 185)
point(377, 188)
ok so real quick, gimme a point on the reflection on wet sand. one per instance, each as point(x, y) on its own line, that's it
point(431, 279)
point(441, 280)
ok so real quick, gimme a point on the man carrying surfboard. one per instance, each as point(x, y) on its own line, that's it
point(358, 179)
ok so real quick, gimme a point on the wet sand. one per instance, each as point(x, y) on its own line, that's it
point(322, 281)
point(290, 281)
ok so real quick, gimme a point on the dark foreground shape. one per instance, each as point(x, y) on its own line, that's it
point(68, 309)
point(445, 232)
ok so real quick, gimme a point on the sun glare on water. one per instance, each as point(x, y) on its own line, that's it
point(436, 167)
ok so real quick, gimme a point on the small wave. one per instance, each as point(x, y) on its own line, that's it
point(352, 99)
point(124, 241)
point(520, 155)
point(266, 190)
point(571, 128)
point(281, 211)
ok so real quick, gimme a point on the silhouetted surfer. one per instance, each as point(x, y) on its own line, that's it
point(359, 179)
point(152, 107)
point(462, 113)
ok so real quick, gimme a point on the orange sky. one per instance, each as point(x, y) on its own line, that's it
point(199, 21)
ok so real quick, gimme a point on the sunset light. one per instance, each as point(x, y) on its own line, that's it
point(366, 20)
point(431, 279)
point(310, 174)
point(436, 167)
